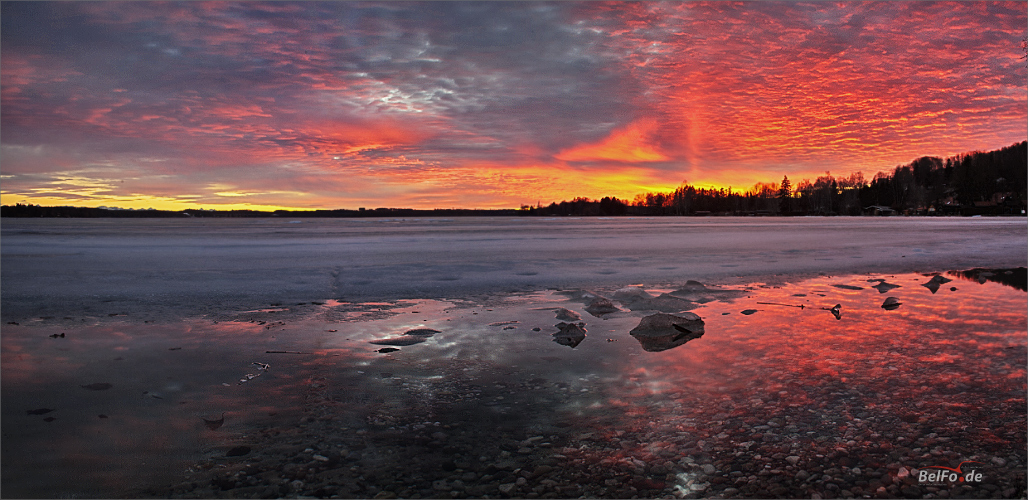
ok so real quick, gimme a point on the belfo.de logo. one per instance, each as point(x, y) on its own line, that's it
point(939, 475)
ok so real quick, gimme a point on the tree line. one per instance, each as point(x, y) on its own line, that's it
point(976, 183)
point(985, 183)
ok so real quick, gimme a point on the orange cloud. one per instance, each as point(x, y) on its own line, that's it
point(349, 138)
point(633, 143)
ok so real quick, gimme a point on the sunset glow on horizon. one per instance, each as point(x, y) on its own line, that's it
point(326, 105)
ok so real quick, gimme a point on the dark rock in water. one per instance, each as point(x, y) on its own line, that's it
point(40, 411)
point(388, 349)
point(49, 419)
point(693, 285)
point(570, 334)
point(891, 303)
point(848, 287)
point(400, 341)
point(934, 283)
point(749, 311)
point(567, 314)
point(56, 336)
point(698, 292)
point(421, 332)
point(884, 287)
point(664, 303)
point(102, 416)
point(662, 331)
point(99, 386)
point(238, 451)
point(837, 311)
point(601, 306)
point(631, 294)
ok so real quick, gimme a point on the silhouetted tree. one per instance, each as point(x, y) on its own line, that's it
point(785, 196)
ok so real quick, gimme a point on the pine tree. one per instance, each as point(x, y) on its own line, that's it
point(785, 196)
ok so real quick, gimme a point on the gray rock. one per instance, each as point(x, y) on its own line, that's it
point(600, 307)
point(567, 314)
point(507, 488)
point(709, 469)
point(663, 303)
point(631, 294)
point(570, 334)
point(661, 331)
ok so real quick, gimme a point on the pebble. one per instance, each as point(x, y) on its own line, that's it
point(709, 469)
point(793, 459)
point(507, 488)
point(999, 461)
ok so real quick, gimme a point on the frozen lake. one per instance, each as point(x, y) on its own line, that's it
point(164, 268)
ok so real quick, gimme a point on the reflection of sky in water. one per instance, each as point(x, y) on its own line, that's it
point(944, 374)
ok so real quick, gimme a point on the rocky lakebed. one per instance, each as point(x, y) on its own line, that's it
point(831, 387)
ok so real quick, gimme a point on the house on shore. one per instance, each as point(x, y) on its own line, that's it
point(879, 210)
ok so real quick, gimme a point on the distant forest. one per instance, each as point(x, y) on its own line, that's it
point(978, 183)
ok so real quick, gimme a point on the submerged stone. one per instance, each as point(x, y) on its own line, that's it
point(400, 341)
point(421, 332)
point(698, 292)
point(238, 451)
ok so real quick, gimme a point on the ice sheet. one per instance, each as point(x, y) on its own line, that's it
point(162, 268)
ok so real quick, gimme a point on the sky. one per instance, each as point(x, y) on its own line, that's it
point(269, 105)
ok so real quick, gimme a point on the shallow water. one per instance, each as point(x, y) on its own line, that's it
point(784, 401)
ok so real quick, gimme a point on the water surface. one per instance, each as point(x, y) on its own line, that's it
point(771, 400)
